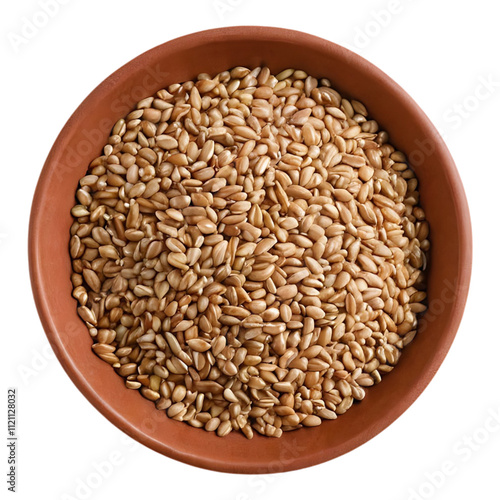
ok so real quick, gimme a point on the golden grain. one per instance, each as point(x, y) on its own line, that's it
point(248, 251)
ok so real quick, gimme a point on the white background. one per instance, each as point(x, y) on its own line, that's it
point(441, 53)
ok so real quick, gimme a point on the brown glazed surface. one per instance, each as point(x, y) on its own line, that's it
point(410, 130)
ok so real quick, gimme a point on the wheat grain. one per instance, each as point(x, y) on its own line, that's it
point(248, 251)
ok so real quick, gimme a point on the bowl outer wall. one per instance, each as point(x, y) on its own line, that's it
point(410, 130)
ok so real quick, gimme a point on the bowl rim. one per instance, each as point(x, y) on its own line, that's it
point(42, 296)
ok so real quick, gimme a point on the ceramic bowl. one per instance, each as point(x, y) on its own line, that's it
point(442, 197)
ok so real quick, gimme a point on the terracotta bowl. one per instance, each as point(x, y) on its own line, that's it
point(410, 130)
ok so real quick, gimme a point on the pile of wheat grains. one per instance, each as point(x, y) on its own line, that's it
point(248, 251)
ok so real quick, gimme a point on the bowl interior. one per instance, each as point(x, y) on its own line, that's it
point(442, 197)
